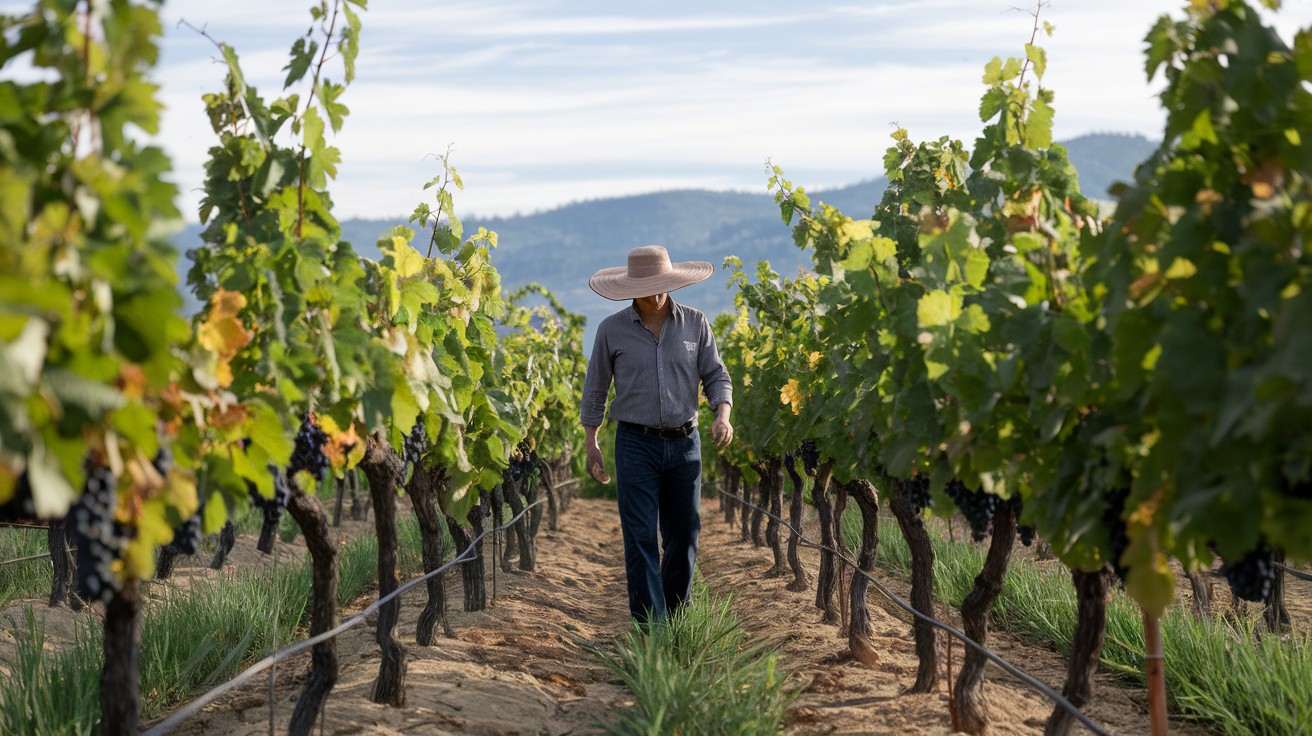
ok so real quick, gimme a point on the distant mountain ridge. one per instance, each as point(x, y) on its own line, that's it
point(561, 247)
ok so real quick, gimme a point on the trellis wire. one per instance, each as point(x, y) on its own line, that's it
point(194, 707)
point(1011, 669)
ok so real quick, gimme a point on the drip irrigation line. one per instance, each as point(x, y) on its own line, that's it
point(1011, 669)
point(1296, 573)
point(33, 557)
point(20, 525)
point(194, 707)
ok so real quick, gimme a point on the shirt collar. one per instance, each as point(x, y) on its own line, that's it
point(635, 317)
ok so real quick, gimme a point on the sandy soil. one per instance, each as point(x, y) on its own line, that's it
point(528, 664)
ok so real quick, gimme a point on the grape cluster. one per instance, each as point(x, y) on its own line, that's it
point(100, 540)
point(810, 455)
point(163, 461)
point(271, 507)
point(916, 491)
point(523, 461)
point(1113, 520)
point(307, 454)
point(186, 538)
point(414, 444)
point(1251, 576)
point(20, 504)
point(978, 507)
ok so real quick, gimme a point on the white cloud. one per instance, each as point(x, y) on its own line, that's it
point(559, 100)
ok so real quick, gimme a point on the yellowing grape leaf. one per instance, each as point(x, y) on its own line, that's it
point(937, 309)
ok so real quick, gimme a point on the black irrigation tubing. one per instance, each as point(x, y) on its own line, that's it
point(1296, 573)
point(194, 707)
point(1011, 669)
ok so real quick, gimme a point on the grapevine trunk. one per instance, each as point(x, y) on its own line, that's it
point(383, 469)
point(969, 707)
point(922, 586)
point(858, 636)
point(1086, 645)
point(310, 517)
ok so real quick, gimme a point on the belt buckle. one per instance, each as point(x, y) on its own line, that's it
point(670, 434)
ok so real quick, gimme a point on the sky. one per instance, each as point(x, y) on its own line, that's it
point(547, 102)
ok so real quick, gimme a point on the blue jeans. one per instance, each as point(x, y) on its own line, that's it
point(660, 485)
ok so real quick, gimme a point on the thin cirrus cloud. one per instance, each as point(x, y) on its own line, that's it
point(559, 100)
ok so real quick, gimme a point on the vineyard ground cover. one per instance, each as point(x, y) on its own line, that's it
point(1216, 672)
point(522, 665)
point(841, 696)
point(28, 579)
point(189, 611)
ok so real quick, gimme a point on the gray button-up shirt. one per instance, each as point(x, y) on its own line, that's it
point(655, 381)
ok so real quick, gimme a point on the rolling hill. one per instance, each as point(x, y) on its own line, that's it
point(560, 248)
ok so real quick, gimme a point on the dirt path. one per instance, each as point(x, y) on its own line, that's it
point(515, 668)
point(524, 665)
point(842, 696)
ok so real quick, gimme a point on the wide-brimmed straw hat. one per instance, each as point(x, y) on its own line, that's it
point(649, 273)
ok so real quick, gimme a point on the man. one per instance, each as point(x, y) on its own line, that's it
point(657, 353)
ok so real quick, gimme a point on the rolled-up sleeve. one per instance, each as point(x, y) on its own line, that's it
point(596, 384)
point(715, 377)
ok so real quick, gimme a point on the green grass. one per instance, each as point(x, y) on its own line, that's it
point(30, 579)
point(51, 693)
point(696, 673)
point(1220, 672)
point(191, 639)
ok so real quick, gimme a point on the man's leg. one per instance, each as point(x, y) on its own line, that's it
point(638, 480)
point(680, 499)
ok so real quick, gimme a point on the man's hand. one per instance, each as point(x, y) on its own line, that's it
point(721, 429)
point(596, 465)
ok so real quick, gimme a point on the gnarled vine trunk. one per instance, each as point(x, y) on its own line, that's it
point(359, 509)
point(745, 514)
point(523, 528)
point(858, 634)
point(922, 586)
point(120, 688)
point(383, 468)
point(227, 539)
point(310, 517)
point(801, 581)
point(471, 572)
point(773, 480)
point(762, 503)
point(1086, 645)
point(423, 489)
point(827, 579)
point(844, 573)
point(1276, 615)
point(733, 482)
point(1201, 607)
point(61, 586)
point(164, 564)
point(970, 711)
point(549, 487)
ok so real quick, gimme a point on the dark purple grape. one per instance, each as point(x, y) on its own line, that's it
point(810, 456)
point(1252, 576)
point(307, 453)
point(100, 540)
point(917, 493)
point(414, 444)
point(1113, 519)
point(977, 506)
